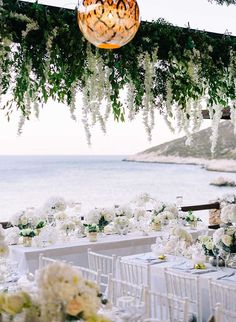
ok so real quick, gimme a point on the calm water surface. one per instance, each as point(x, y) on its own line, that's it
point(99, 181)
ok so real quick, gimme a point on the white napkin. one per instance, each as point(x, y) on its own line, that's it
point(184, 266)
point(145, 257)
point(203, 271)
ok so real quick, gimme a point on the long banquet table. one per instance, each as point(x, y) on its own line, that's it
point(158, 283)
point(76, 251)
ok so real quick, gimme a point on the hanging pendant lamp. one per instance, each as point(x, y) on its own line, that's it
point(108, 24)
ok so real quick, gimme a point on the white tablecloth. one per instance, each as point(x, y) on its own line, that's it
point(158, 279)
point(76, 251)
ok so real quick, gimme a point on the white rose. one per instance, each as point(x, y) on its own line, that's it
point(231, 231)
point(227, 240)
point(209, 245)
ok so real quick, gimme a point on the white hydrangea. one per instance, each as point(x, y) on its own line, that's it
point(93, 217)
point(55, 204)
point(124, 211)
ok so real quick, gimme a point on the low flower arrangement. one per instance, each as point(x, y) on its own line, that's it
point(28, 232)
point(191, 218)
point(225, 238)
point(228, 214)
point(165, 212)
point(92, 228)
point(63, 295)
point(55, 204)
point(207, 244)
point(182, 234)
point(64, 292)
point(12, 304)
point(102, 217)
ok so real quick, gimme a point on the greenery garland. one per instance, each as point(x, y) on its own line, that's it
point(227, 2)
point(166, 68)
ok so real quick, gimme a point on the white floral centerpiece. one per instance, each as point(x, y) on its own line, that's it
point(64, 293)
point(55, 204)
point(122, 219)
point(225, 238)
point(207, 244)
point(165, 212)
point(100, 216)
point(156, 223)
point(12, 235)
point(13, 304)
point(68, 226)
point(27, 235)
point(182, 234)
point(143, 199)
point(228, 214)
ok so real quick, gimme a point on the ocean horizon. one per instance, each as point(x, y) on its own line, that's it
point(99, 181)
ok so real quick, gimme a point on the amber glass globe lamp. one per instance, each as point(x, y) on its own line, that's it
point(108, 24)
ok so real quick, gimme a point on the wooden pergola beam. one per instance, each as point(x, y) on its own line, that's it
point(215, 205)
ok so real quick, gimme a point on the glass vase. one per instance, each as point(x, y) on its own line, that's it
point(27, 241)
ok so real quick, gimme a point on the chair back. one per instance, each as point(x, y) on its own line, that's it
point(164, 307)
point(134, 273)
point(223, 315)
point(103, 263)
point(222, 293)
point(89, 274)
point(44, 261)
point(118, 288)
point(184, 286)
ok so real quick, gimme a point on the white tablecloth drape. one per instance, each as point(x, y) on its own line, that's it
point(158, 279)
point(76, 251)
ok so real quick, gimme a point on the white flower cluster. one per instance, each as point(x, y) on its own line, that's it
point(207, 242)
point(121, 221)
point(94, 216)
point(228, 214)
point(55, 204)
point(142, 199)
point(148, 62)
point(61, 287)
point(4, 249)
point(182, 234)
point(96, 93)
point(165, 212)
point(124, 211)
point(225, 237)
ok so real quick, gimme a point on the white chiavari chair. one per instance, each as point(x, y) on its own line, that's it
point(134, 273)
point(44, 261)
point(162, 307)
point(106, 264)
point(118, 288)
point(222, 293)
point(90, 274)
point(184, 286)
point(224, 315)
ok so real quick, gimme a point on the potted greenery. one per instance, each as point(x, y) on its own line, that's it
point(192, 220)
point(27, 235)
point(39, 226)
point(92, 232)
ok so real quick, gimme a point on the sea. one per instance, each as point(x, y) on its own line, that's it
point(100, 181)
